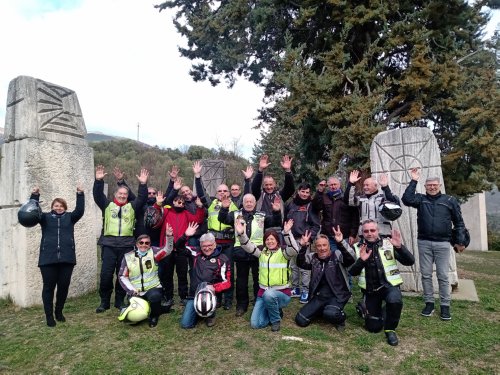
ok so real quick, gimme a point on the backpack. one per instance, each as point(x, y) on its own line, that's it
point(153, 218)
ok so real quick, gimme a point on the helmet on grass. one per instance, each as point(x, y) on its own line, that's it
point(137, 311)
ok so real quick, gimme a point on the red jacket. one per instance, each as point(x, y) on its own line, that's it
point(178, 221)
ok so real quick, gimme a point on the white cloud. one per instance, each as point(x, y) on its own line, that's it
point(121, 58)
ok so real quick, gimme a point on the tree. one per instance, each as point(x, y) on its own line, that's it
point(342, 71)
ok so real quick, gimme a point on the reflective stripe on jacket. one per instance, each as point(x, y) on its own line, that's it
point(119, 221)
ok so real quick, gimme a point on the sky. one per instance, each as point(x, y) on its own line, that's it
point(121, 59)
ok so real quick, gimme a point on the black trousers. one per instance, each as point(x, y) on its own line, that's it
point(153, 296)
point(227, 250)
point(242, 272)
point(111, 261)
point(328, 307)
point(55, 275)
point(166, 267)
point(375, 319)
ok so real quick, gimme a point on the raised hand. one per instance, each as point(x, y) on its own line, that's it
point(119, 174)
point(383, 180)
point(364, 252)
point(354, 176)
point(240, 226)
point(99, 172)
point(286, 163)
point(248, 173)
point(191, 229)
point(174, 172)
point(306, 237)
point(79, 187)
point(415, 173)
point(264, 162)
point(198, 202)
point(143, 177)
point(276, 206)
point(35, 190)
point(287, 226)
point(159, 198)
point(177, 183)
point(169, 231)
point(338, 234)
point(197, 169)
point(395, 238)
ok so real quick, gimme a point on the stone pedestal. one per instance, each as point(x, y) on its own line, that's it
point(44, 146)
point(396, 152)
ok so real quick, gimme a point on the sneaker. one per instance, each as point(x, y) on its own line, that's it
point(445, 313)
point(275, 327)
point(392, 338)
point(304, 297)
point(210, 321)
point(428, 309)
point(295, 293)
point(240, 311)
point(228, 305)
point(102, 307)
point(153, 322)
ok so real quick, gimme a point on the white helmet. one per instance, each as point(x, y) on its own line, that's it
point(205, 301)
point(137, 311)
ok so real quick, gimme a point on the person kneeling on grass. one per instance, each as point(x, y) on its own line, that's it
point(209, 266)
point(138, 273)
point(380, 278)
point(274, 292)
point(329, 284)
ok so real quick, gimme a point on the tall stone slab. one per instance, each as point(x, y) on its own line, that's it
point(45, 146)
point(396, 152)
point(474, 213)
point(213, 173)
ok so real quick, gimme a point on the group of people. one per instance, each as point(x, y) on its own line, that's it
point(292, 243)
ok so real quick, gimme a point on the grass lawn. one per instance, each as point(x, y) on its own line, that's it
point(89, 343)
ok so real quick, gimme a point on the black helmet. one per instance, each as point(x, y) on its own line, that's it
point(29, 214)
point(391, 211)
point(460, 237)
point(205, 301)
point(153, 218)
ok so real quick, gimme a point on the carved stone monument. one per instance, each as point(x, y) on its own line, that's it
point(474, 213)
point(44, 146)
point(395, 152)
point(213, 173)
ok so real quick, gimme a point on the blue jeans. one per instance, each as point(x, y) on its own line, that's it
point(189, 316)
point(430, 252)
point(267, 308)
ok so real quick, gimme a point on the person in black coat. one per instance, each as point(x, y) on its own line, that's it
point(57, 252)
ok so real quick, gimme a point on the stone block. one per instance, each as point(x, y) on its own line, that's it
point(474, 214)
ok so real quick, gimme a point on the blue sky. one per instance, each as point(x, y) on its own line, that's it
point(121, 58)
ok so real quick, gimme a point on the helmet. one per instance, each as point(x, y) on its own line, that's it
point(137, 311)
point(29, 214)
point(391, 211)
point(153, 218)
point(460, 237)
point(205, 300)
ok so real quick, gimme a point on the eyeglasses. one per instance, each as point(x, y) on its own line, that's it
point(322, 184)
point(144, 242)
point(369, 230)
point(431, 185)
point(222, 191)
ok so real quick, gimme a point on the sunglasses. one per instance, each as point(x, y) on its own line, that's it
point(322, 184)
point(151, 193)
point(369, 230)
point(144, 242)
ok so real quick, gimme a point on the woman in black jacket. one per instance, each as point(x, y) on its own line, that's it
point(57, 252)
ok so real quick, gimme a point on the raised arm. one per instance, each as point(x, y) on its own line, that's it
point(80, 204)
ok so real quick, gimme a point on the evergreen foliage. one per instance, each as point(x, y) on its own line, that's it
point(338, 72)
point(130, 156)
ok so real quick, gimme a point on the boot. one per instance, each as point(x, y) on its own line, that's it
point(59, 316)
point(50, 320)
point(103, 306)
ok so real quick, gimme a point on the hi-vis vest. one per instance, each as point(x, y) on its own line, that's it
point(213, 214)
point(142, 271)
point(273, 268)
point(119, 224)
point(257, 228)
point(386, 255)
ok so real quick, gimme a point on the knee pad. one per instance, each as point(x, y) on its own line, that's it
point(334, 314)
point(374, 324)
point(301, 320)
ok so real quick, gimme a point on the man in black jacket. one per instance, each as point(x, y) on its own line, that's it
point(436, 212)
point(117, 236)
point(380, 278)
point(329, 286)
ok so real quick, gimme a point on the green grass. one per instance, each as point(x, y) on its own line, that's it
point(99, 344)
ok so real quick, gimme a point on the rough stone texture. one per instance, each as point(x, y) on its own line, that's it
point(474, 213)
point(42, 152)
point(396, 152)
point(213, 173)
